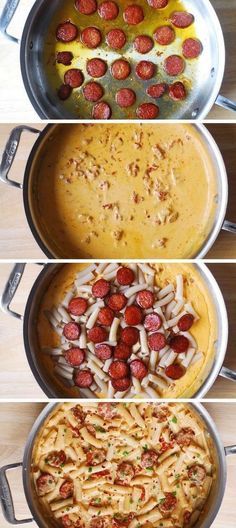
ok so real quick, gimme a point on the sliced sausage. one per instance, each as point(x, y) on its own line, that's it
point(64, 57)
point(100, 522)
point(97, 334)
point(187, 517)
point(95, 457)
point(177, 91)
point(121, 521)
point(108, 10)
point(56, 458)
point(116, 38)
point(67, 489)
point(101, 110)
point(103, 351)
point(86, 7)
point(143, 44)
point(66, 522)
point(152, 322)
point(149, 458)
point(101, 288)
point(133, 315)
point(158, 4)
point(96, 67)
point(120, 69)
point(78, 413)
point(133, 14)
point(156, 90)
point(192, 48)
point(164, 35)
point(118, 369)
point(197, 473)
point(93, 91)
point(156, 341)
point(145, 70)
point(106, 316)
point(175, 371)
point(185, 322)
point(179, 344)
point(106, 410)
point(91, 37)
point(122, 351)
point(125, 97)
point(125, 276)
point(66, 32)
point(174, 65)
point(168, 504)
point(181, 19)
point(64, 92)
point(77, 306)
point(75, 356)
point(145, 299)
point(71, 331)
point(138, 369)
point(147, 111)
point(45, 483)
point(125, 472)
point(129, 335)
point(121, 385)
point(117, 301)
point(185, 436)
point(83, 379)
point(161, 412)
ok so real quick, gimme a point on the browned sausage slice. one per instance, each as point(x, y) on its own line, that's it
point(164, 35)
point(185, 322)
point(121, 384)
point(66, 32)
point(156, 90)
point(138, 369)
point(125, 97)
point(174, 65)
point(145, 70)
point(118, 369)
point(71, 331)
point(145, 299)
point(64, 57)
point(75, 356)
point(78, 305)
point(197, 473)
point(156, 341)
point(96, 67)
point(116, 38)
point(56, 458)
point(149, 458)
point(86, 7)
point(101, 110)
point(103, 351)
point(106, 316)
point(147, 111)
point(91, 37)
point(177, 91)
point(129, 335)
point(45, 483)
point(108, 10)
point(83, 379)
point(133, 315)
point(158, 4)
point(101, 287)
point(120, 70)
point(125, 276)
point(97, 334)
point(185, 436)
point(122, 351)
point(152, 322)
point(125, 472)
point(179, 344)
point(117, 301)
point(95, 457)
point(64, 92)
point(67, 489)
point(133, 14)
point(181, 19)
point(169, 503)
point(192, 48)
point(143, 44)
point(175, 371)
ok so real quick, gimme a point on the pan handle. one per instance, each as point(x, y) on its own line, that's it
point(228, 373)
point(6, 496)
point(6, 16)
point(230, 450)
point(226, 103)
point(229, 226)
point(10, 152)
point(10, 289)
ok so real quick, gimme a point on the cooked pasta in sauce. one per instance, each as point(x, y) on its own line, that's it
point(102, 465)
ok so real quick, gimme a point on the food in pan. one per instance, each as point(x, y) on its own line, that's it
point(133, 331)
point(154, 45)
point(124, 191)
point(109, 466)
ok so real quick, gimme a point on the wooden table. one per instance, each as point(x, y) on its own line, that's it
point(16, 379)
point(15, 105)
point(17, 419)
point(16, 240)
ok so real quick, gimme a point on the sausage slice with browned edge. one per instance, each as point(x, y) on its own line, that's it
point(147, 111)
point(91, 37)
point(108, 10)
point(96, 67)
point(83, 379)
point(125, 97)
point(66, 32)
point(133, 14)
point(158, 4)
point(174, 65)
point(116, 38)
point(101, 110)
point(143, 44)
point(181, 19)
point(120, 69)
point(86, 7)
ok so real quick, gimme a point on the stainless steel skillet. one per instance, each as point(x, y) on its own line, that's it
point(207, 77)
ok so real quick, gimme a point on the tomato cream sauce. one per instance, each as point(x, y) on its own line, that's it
point(124, 191)
point(204, 330)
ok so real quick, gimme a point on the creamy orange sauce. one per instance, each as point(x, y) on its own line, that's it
point(124, 191)
point(204, 330)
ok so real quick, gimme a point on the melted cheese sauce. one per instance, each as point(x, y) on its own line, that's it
point(204, 331)
point(124, 191)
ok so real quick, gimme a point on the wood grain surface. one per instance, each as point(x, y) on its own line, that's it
point(16, 240)
point(16, 379)
point(16, 421)
point(15, 105)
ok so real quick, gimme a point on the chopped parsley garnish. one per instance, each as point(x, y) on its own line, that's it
point(145, 447)
point(90, 469)
point(174, 419)
point(99, 429)
point(149, 468)
point(125, 453)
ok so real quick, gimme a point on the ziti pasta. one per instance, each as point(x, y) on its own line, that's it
point(115, 465)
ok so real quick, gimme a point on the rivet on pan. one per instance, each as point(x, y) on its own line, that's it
point(216, 198)
point(195, 112)
point(212, 72)
point(31, 45)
